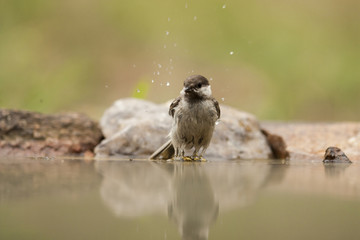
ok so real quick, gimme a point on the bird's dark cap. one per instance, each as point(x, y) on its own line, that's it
point(196, 80)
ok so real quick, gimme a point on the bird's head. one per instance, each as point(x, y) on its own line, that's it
point(196, 86)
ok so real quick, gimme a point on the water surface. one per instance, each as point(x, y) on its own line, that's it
point(121, 199)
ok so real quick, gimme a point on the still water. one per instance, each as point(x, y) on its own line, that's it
point(257, 199)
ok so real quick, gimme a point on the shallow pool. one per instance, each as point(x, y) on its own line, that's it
point(122, 199)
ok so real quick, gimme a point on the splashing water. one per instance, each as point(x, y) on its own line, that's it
point(138, 90)
point(152, 81)
point(231, 53)
point(224, 6)
point(222, 99)
point(159, 65)
point(217, 122)
point(167, 84)
point(167, 33)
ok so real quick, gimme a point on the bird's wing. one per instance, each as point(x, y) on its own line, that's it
point(217, 107)
point(173, 105)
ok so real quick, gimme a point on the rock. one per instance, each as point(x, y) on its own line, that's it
point(308, 141)
point(335, 155)
point(134, 127)
point(24, 133)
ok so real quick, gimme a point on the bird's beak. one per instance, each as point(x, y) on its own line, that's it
point(189, 90)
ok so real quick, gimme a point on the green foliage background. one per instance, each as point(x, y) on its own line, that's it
point(290, 59)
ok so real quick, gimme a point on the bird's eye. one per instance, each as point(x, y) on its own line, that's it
point(199, 85)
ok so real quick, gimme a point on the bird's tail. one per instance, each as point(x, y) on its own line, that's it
point(166, 151)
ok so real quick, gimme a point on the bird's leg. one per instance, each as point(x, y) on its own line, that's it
point(201, 158)
point(176, 154)
point(185, 158)
point(195, 156)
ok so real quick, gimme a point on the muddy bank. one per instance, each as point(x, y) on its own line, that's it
point(32, 134)
point(308, 141)
point(131, 132)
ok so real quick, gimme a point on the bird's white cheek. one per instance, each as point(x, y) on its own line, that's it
point(182, 92)
point(206, 90)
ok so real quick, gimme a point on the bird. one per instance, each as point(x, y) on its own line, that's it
point(194, 114)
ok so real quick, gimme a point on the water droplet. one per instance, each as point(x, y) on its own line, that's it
point(167, 33)
point(169, 19)
point(152, 81)
point(222, 99)
point(224, 6)
point(217, 122)
point(138, 90)
point(167, 84)
point(159, 65)
point(195, 18)
point(211, 79)
point(231, 53)
point(158, 73)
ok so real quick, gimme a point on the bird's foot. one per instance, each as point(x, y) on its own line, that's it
point(200, 159)
point(187, 158)
point(195, 158)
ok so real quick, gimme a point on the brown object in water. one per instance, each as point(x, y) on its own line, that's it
point(335, 155)
point(277, 145)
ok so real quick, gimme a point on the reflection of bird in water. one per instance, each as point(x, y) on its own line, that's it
point(193, 206)
point(335, 155)
point(192, 191)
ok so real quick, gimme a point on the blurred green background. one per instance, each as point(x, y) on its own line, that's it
point(280, 59)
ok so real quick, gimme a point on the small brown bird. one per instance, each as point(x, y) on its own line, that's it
point(194, 115)
point(335, 155)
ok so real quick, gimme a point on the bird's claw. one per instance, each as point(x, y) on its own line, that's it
point(194, 158)
point(187, 158)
